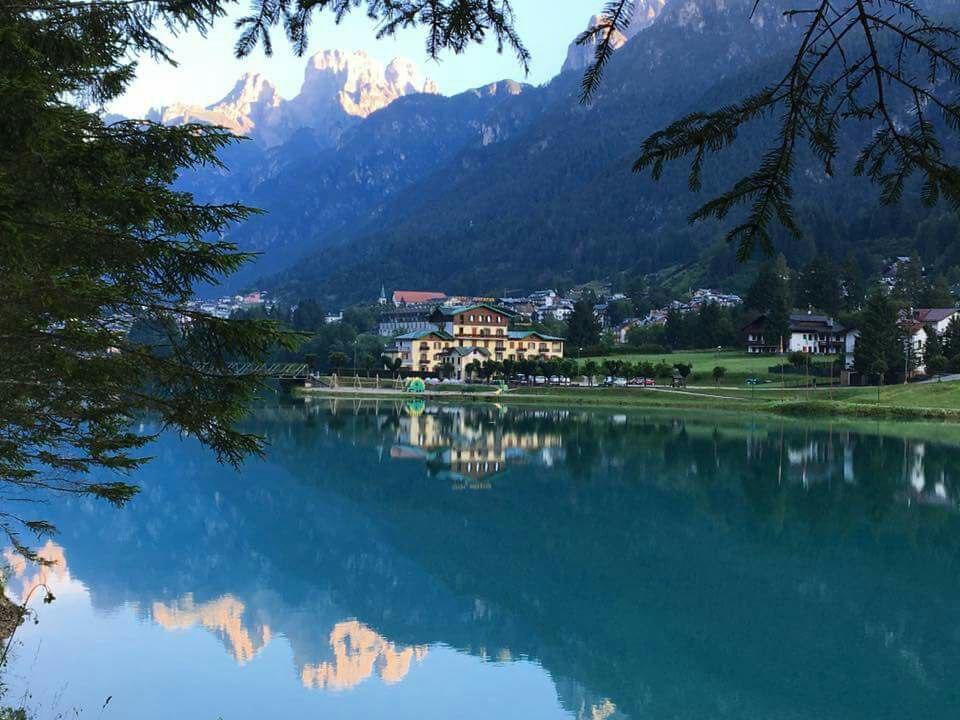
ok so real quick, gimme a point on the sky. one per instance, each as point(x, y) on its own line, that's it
point(207, 69)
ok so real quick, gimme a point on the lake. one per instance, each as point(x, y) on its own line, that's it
point(411, 560)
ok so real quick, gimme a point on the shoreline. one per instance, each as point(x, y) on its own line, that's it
point(722, 399)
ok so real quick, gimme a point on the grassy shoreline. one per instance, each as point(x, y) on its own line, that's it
point(912, 402)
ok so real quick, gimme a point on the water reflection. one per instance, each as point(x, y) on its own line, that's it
point(466, 448)
point(643, 564)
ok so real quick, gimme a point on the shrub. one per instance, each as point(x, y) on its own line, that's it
point(651, 349)
point(663, 369)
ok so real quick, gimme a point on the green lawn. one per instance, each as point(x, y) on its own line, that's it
point(739, 365)
point(934, 401)
point(927, 395)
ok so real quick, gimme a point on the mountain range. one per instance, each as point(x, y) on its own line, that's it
point(371, 177)
point(339, 90)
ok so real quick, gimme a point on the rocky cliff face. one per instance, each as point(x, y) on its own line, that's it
point(580, 56)
point(339, 88)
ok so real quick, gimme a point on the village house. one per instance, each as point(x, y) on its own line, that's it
point(937, 318)
point(809, 333)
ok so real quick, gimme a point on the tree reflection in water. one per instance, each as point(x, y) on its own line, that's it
point(655, 565)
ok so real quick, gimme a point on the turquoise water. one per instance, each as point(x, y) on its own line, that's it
point(419, 561)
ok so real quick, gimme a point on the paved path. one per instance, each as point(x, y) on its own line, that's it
point(952, 377)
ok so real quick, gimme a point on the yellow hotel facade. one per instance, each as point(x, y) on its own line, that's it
point(481, 327)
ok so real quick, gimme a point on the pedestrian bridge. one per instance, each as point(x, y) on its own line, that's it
point(274, 371)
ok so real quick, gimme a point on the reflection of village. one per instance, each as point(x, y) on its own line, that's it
point(471, 445)
point(357, 651)
point(824, 458)
point(468, 448)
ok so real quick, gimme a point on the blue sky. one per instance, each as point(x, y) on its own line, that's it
point(207, 68)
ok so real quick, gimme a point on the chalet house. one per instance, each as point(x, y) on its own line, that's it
point(809, 333)
point(937, 318)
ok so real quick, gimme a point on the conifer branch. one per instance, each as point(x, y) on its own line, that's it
point(857, 61)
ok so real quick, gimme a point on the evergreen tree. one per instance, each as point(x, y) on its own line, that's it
point(777, 330)
point(308, 316)
point(880, 344)
point(819, 286)
point(934, 344)
point(937, 294)
point(910, 285)
point(853, 284)
point(673, 331)
point(583, 329)
point(766, 286)
point(707, 333)
point(94, 238)
point(951, 339)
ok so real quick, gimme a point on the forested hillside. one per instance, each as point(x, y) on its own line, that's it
point(512, 187)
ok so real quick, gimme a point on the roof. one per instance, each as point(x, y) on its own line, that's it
point(417, 334)
point(521, 334)
point(932, 315)
point(912, 327)
point(800, 322)
point(416, 296)
point(457, 309)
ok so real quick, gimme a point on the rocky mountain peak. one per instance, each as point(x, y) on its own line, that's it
point(339, 87)
point(250, 90)
point(580, 56)
point(355, 83)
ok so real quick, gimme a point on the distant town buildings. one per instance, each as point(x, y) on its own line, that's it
point(658, 316)
point(226, 306)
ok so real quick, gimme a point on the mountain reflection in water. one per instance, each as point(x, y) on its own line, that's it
point(615, 565)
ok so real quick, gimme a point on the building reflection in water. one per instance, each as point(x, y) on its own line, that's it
point(352, 556)
point(468, 448)
point(824, 458)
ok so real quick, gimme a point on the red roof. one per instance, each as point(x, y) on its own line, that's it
point(932, 315)
point(408, 297)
